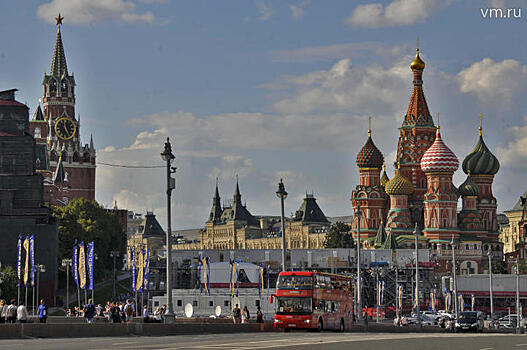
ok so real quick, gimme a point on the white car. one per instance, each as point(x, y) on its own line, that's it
point(431, 314)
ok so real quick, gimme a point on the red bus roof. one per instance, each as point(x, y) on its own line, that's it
point(312, 273)
point(296, 273)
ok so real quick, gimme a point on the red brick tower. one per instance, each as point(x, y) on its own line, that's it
point(369, 194)
point(482, 165)
point(416, 135)
point(68, 167)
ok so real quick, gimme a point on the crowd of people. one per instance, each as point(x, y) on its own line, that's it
point(17, 313)
point(117, 312)
point(243, 315)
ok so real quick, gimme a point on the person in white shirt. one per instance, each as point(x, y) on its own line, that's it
point(146, 314)
point(21, 313)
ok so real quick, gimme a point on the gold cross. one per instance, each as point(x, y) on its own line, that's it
point(369, 126)
point(438, 124)
point(481, 124)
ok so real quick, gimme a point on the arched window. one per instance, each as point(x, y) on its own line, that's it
point(53, 85)
point(63, 86)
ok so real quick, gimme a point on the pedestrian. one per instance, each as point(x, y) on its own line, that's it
point(404, 321)
point(245, 315)
point(259, 315)
point(11, 312)
point(128, 311)
point(42, 312)
point(115, 313)
point(21, 313)
point(98, 311)
point(89, 311)
point(236, 314)
point(3, 311)
point(146, 314)
point(158, 318)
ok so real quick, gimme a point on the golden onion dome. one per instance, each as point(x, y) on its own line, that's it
point(417, 63)
point(399, 185)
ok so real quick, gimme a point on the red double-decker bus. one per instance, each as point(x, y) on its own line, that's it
point(313, 300)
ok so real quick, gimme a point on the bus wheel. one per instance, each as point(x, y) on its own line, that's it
point(320, 325)
point(341, 328)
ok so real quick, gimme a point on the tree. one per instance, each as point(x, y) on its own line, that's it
point(499, 267)
point(85, 220)
point(8, 281)
point(339, 236)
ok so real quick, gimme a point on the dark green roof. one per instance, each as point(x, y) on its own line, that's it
point(150, 227)
point(380, 238)
point(391, 242)
point(481, 161)
point(309, 211)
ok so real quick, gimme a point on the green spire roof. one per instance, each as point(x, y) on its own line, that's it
point(380, 238)
point(390, 242)
point(58, 63)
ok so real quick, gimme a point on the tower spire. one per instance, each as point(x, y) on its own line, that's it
point(58, 63)
point(237, 195)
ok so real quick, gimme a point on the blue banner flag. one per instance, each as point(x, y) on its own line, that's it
point(82, 266)
point(26, 265)
point(132, 257)
point(90, 264)
point(147, 270)
point(32, 258)
point(75, 265)
point(19, 261)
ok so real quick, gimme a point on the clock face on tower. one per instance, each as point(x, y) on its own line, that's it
point(65, 128)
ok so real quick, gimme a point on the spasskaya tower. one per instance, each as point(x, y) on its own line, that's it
point(68, 167)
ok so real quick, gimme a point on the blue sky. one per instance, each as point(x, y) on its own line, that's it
point(270, 89)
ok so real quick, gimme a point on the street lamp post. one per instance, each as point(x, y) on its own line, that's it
point(114, 254)
point(454, 275)
point(416, 233)
point(489, 255)
point(518, 316)
point(67, 263)
point(282, 194)
point(359, 298)
point(168, 157)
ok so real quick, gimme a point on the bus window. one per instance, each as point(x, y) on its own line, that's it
point(295, 282)
point(293, 306)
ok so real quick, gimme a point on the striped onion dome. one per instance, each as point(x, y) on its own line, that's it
point(481, 161)
point(468, 188)
point(370, 156)
point(439, 158)
point(384, 177)
point(399, 185)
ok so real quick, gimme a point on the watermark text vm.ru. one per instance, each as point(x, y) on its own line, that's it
point(499, 13)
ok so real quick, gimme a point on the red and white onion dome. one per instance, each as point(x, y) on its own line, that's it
point(439, 158)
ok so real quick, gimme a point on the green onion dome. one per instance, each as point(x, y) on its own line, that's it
point(468, 188)
point(399, 185)
point(481, 161)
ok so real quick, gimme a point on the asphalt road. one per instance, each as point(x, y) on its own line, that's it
point(293, 340)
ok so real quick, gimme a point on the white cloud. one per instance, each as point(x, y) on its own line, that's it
point(265, 10)
point(232, 166)
point(514, 153)
point(397, 12)
point(297, 12)
point(371, 90)
point(339, 51)
point(492, 81)
point(89, 12)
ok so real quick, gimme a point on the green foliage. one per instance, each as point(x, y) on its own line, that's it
point(499, 267)
point(339, 236)
point(85, 220)
point(8, 289)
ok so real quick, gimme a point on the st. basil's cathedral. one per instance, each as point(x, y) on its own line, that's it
point(421, 195)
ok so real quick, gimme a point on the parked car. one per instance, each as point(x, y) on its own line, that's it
point(431, 314)
point(425, 320)
point(470, 321)
point(510, 321)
